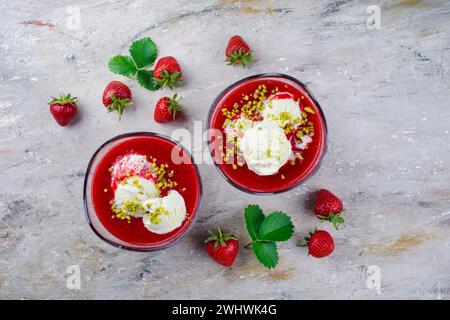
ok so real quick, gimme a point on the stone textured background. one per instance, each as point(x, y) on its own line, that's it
point(385, 94)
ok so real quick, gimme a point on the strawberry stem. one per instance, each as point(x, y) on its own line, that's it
point(169, 79)
point(64, 99)
point(334, 218)
point(258, 240)
point(239, 58)
point(118, 104)
point(174, 105)
point(220, 238)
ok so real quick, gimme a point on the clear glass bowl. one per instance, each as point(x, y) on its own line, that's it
point(257, 184)
point(90, 211)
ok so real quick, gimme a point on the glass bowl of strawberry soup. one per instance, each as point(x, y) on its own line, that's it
point(267, 133)
point(142, 191)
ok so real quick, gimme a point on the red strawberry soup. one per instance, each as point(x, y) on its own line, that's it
point(254, 161)
point(137, 195)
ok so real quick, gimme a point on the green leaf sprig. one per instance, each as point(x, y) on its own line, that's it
point(143, 53)
point(265, 232)
point(335, 219)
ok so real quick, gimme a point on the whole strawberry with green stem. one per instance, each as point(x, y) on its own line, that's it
point(238, 52)
point(320, 244)
point(167, 73)
point(64, 108)
point(167, 109)
point(329, 207)
point(222, 248)
point(116, 97)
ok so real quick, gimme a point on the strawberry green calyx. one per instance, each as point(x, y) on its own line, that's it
point(220, 238)
point(334, 218)
point(240, 58)
point(64, 99)
point(306, 239)
point(118, 104)
point(174, 105)
point(169, 80)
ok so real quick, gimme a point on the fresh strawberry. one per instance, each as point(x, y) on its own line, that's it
point(167, 73)
point(116, 97)
point(238, 52)
point(167, 109)
point(223, 248)
point(320, 243)
point(328, 207)
point(64, 108)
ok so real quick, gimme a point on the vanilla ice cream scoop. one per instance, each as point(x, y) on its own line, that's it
point(131, 164)
point(265, 147)
point(130, 194)
point(165, 214)
point(282, 110)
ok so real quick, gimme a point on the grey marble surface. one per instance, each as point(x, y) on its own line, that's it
point(385, 93)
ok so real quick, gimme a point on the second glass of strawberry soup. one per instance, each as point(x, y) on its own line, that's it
point(163, 169)
point(241, 106)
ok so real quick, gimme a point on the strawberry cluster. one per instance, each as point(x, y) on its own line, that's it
point(265, 231)
point(166, 74)
point(327, 207)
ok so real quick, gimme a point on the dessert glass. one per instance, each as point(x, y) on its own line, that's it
point(96, 201)
point(288, 177)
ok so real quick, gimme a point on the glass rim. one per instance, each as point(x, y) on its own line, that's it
point(321, 114)
point(85, 188)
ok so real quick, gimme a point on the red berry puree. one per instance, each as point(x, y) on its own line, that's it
point(248, 99)
point(181, 177)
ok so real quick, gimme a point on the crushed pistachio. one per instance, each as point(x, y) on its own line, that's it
point(250, 107)
point(161, 171)
point(309, 110)
point(130, 208)
point(155, 216)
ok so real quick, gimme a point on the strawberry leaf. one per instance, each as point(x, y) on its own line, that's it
point(143, 52)
point(146, 80)
point(276, 227)
point(253, 218)
point(265, 232)
point(122, 65)
point(266, 253)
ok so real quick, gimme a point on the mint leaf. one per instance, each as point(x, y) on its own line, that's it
point(143, 52)
point(146, 80)
point(276, 227)
point(266, 253)
point(253, 218)
point(122, 65)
